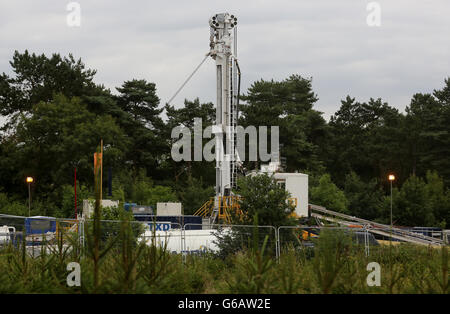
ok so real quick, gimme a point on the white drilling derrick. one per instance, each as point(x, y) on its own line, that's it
point(223, 44)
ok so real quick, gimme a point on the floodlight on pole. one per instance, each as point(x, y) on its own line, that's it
point(29, 181)
point(391, 178)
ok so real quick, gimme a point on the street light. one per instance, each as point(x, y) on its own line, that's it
point(29, 181)
point(391, 178)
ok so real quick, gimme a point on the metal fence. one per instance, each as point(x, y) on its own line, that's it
point(39, 233)
point(200, 238)
point(163, 234)
point(43, 233)
point(431, 232)
point(304, 237)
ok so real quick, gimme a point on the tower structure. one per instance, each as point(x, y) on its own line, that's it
point(223, 49)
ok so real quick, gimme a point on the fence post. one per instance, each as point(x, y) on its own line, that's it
point(183, 244)
point(366, 240)
point(277, 237)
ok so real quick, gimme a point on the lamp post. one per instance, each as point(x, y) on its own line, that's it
point(29, 181)
point(391, 178)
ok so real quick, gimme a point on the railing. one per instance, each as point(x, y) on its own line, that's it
point(206, 209)
point(226, 206)
point(374, 227)
point(303, 236)
point(182, 238)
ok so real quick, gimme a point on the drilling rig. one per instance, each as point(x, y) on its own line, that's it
point(223, 49)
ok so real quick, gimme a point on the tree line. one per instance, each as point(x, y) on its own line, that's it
point(56, 115)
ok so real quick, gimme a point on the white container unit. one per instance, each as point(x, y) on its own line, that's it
point(297, 185)
point(88, 207)
point(169, 209)
point(195, 241)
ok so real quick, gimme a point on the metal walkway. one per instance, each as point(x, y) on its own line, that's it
point(320, 212)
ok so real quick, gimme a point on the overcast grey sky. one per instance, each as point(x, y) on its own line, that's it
point(163, 41)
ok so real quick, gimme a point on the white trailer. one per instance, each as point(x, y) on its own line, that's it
point(182, 241)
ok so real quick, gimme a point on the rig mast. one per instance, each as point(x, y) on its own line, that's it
point(223, 44)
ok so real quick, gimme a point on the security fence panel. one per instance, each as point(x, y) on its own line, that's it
point(224, 239)
point(38, 234)
point(167, 235)
point(446, 236)
point(305, 239)
point(114, 232)
point(435, 233)
point(420, 236)
point(198, 239)
point(12, 230)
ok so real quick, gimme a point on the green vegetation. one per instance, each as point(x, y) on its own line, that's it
point(261, 196)
point(327, 194)
point(337, 266)
point(56, 116)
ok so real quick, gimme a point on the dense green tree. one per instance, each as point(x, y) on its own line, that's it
point(141, 189)
point(184, 117)
point(428, 132)
point(60, 135)
point(57, 115)
point(365, 139)
point(302, 138)
point(10, 205)
point(410, 204)
point(151, 195)
point(438, 196)
point(139, 98)
point(327, 194)
point(261, 196)
point(365, 200)
point(289, 105)
point(192, 109)
point(262, 104)
point(143, 124)
point(38, 77)
point(193, 194)
point(419, 202)
point(67, 209)
point(161, 194)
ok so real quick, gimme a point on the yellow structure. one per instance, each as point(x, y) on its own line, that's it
point(64, 226)
point(227, 205)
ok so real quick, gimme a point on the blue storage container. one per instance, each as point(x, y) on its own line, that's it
point(40, 224)
point(192, 222)
point(127, 206)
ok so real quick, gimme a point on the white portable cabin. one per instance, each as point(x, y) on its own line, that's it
point(295, 183)
point(88, 207)
point(169, 209)
point(182, 241)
